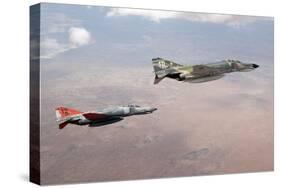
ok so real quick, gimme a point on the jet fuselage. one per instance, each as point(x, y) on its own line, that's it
point(197, 73)
point(95, 118)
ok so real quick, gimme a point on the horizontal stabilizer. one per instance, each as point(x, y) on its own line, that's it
point(157, 80)
point(62, 125)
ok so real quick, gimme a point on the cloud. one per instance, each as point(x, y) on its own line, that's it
point(60, 33)
point(154, 15)
point(78, 36)
point(158, 15)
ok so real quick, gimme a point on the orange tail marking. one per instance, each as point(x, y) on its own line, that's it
point(64, 112)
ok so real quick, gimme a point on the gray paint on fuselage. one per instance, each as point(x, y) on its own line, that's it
point(112, 114)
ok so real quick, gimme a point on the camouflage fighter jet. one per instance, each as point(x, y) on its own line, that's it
point(197, 73)
point(67, 116)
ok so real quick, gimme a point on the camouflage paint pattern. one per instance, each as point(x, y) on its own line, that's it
point(197, 73)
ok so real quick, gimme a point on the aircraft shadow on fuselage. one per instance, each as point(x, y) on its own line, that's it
point(104, 123)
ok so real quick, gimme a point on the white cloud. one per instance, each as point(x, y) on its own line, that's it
point(154, 15)
point(78, 36)
point(158, 15)
point(55, 26)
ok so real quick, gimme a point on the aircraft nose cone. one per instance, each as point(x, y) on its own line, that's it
point(153, 109)
point(255, 66)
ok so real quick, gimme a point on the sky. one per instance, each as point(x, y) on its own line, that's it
point(96, 57)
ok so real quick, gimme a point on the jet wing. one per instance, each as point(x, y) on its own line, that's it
point(157, 80)
point(94, 116)
point(203, 70)
point(204, 79)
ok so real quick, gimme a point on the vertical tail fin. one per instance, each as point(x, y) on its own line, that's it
point(159, 64)
point(62, 113)
point(163, 64)
point(162, 68)
point(159, 67)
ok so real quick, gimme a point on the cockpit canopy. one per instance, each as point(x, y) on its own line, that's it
point(234, 61)
point(133, 105)
point(238, 65)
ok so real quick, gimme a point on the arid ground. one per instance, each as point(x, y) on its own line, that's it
point(223, 126)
